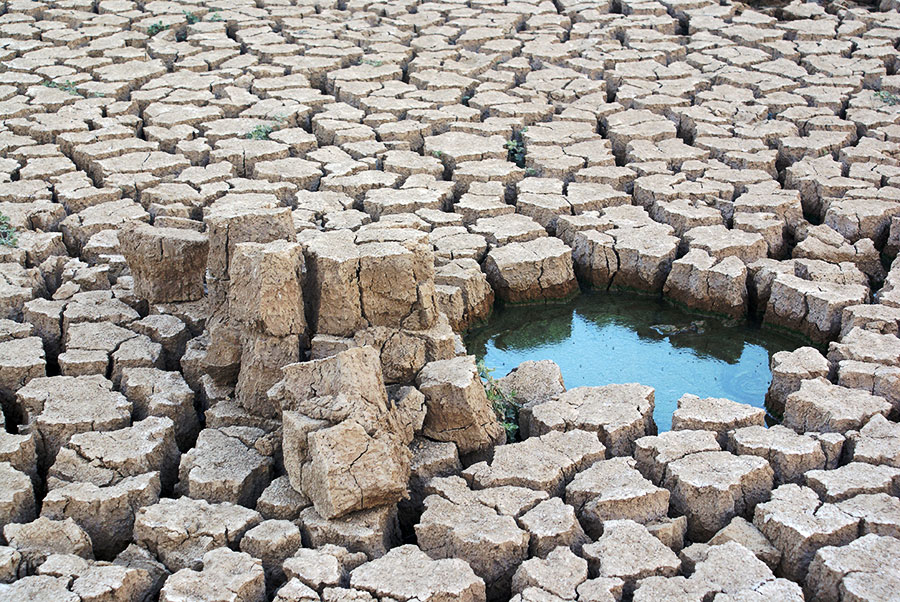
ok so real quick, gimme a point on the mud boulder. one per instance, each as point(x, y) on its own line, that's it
point(223, 571)
point(396, 285)
point(225, 466)
point(372, 532)
point(406, 573)
point(265, 287)
point(344, 444)
point(615, 490)
point(458, 408)
point(878, 442)
point(627, 551)
point(105, 513)
point(492, 544)
point(543, 463)
point(350, 470)
point(789, 370)
point(179, 532)
point(790, 454)
point(552, 524)
point(43, 537)
point(619, 414)
point(58, 407)
point(559, 574)
point(532, 383)
point(862, 570)
point(653, 454)
point(16, 496)
point(536, 270)
point(106, 457)
point(823, 407)
point(704, 283)
point(799, 524)
point(711, 488)
point(719, 415)
point(743, 532)
point(167, 264)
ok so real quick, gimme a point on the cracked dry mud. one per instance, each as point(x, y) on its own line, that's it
point(249, 233)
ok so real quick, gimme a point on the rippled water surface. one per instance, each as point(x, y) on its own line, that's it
point(601, 338)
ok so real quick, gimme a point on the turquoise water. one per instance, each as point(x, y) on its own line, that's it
point(604, 338)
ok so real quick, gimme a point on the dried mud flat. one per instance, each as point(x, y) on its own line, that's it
point(240, 240)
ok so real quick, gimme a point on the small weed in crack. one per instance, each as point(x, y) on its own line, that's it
point(503, 403)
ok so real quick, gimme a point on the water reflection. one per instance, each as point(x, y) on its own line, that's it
point(602, 338)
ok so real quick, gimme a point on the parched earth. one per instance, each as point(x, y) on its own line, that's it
point(247, 236)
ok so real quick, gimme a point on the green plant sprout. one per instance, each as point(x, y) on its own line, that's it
point(66, 86)
point(8, 236)
point(502, 402)
point(260, 132)
point(156, 28)
point(888, 98)
point(515, 152)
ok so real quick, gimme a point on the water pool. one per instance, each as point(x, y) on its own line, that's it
point(604, 338)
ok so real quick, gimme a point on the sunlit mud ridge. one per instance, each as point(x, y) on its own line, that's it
point(240, 242)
